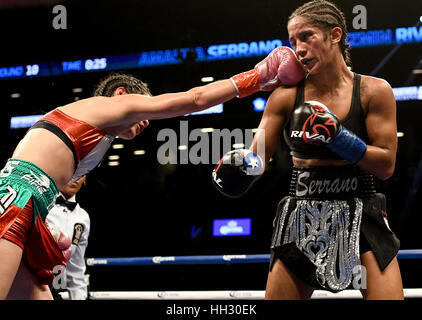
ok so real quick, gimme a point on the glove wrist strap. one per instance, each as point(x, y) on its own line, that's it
point(246, 83)
point(348, 145)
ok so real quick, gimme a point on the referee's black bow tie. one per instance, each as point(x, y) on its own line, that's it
point(69, 204)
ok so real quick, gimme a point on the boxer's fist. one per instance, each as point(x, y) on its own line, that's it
point(236, 171)
point(280, 67)
point(63, 242)
point(314, 122)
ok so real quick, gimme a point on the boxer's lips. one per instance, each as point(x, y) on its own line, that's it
point(308, 63)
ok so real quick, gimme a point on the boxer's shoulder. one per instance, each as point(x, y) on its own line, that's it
point(372, 86)
point(283, 99)
point(373, 89)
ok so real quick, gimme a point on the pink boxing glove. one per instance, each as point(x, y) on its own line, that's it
point(280, 67)
point(63, 241)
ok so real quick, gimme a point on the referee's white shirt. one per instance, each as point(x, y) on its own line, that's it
point(76, 225)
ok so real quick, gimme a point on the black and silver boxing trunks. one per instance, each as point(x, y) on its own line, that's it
point(331, 216)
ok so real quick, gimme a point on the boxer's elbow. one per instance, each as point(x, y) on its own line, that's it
point(389, 163)
point(388, 172)
point(212, 94)
point(379, 161)
point(385, 169)
point(384, 175)
point(197, 97)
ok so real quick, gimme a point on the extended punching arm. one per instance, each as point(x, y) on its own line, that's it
point(280, 67)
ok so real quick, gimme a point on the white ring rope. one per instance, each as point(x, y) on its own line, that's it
point(217, 294)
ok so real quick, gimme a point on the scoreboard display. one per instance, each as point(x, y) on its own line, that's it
point(200, 54)
point(143, 59)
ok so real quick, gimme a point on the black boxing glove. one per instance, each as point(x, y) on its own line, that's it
point(236, 171)
point(314, 122)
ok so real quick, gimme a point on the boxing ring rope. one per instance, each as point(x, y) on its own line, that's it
point(223, 294)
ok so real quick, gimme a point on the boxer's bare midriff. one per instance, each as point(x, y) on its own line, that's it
point(298, 162)
point(47, 151)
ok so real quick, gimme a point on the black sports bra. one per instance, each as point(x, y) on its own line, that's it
point(354, 121)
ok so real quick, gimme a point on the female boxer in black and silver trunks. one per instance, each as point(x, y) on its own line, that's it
point(333, 221)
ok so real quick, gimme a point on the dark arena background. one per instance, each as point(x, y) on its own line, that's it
point(141, 208)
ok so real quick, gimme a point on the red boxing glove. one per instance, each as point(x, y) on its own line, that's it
point(280, 67)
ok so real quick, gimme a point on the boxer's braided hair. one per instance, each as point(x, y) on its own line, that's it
point(326, 15)
point(110, 83)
